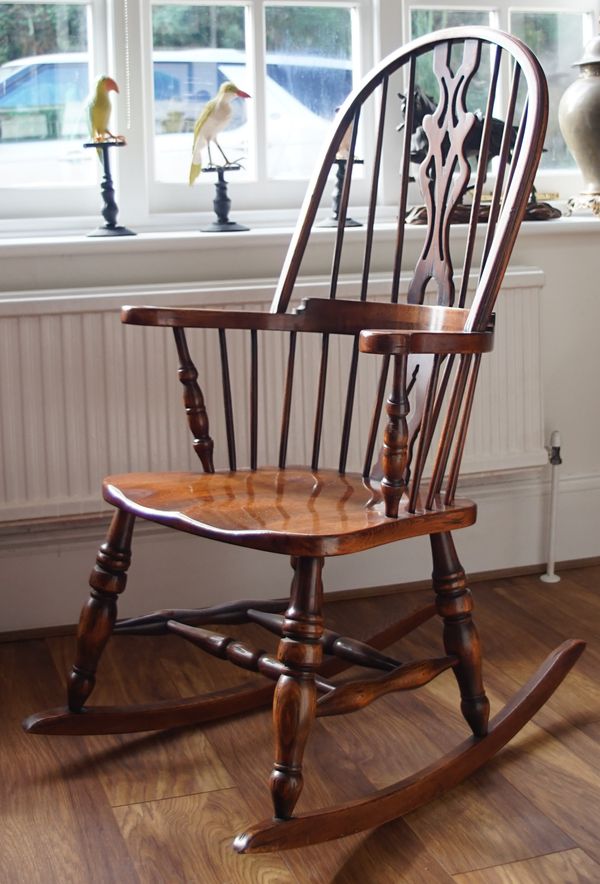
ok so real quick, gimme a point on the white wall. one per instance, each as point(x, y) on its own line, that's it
point(43, 573)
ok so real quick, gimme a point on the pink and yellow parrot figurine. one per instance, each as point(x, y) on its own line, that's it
point(212, 120)
point(99, 109)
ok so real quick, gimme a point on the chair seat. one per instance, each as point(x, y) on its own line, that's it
point(296, 511)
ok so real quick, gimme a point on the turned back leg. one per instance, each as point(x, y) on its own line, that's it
point(454, 604)
point(98, 615)
point(295, 701)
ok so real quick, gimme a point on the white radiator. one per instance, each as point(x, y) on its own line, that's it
point(82, 396)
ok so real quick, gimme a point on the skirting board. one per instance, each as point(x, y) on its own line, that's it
point(343, 595)
point(44, 572)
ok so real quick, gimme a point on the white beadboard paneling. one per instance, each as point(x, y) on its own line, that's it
point(82, 396)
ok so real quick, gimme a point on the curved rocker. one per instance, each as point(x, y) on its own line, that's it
point(388, 804)
point(150, 716)
point(194, 710)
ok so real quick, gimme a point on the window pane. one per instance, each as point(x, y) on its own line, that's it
point(557, 40)
point(309, 74)
point(424, 21)
point(196, 49)
point(43, 91)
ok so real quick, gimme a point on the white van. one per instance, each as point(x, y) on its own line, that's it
point(43, 98)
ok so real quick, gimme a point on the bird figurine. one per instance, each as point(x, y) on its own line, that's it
point(99, 109)
point(212, 120)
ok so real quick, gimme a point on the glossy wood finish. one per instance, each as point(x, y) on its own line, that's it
point(313, 315)
point(134, 718)
point(359, 693)
point(294, 511)
point(430, 355)
point(295, 700)
point(411, 793)
point(349, 649)
point(207, 707)
point(98, 616)
point(159, 807)
point(454, 605)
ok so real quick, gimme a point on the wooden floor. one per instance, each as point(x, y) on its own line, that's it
point(164, 807)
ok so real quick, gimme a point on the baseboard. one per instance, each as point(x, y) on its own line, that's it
point(341, 595)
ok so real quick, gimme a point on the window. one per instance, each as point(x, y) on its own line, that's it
point(297, 59)
point(298, 62)
point(556, 36)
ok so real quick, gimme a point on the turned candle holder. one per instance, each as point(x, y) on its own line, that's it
point(110, 210)
point(221, 202)
point(340, 176)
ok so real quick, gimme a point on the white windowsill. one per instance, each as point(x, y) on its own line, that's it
point(183, 239)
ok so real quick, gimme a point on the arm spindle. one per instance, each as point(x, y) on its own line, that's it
point(395, 440)
point(194, 403)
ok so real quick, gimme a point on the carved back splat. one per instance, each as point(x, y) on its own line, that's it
point(444, 173)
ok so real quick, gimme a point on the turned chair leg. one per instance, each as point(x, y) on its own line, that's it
point(454, 604)
point(295, 700)
point(98, 615)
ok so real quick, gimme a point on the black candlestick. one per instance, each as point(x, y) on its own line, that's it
point(110, 210)
point(333, 219)
point(221, 202)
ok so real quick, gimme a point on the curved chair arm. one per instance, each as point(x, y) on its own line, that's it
point(399, 345)
point(398, 342)
point(338, 316)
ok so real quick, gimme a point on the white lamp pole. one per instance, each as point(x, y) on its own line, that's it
point(555, 460)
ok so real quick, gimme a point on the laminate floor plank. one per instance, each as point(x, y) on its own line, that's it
point(134, 767)
point(245, 747)
point(188, 839)
point(179, 797)
point(484, 821)
point(55, 826)
point(564, 867)
point(532, 635)
point(553, 764)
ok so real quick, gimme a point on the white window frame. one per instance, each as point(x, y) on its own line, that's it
point(120, 42)
point(261, 191)
point(564, 182)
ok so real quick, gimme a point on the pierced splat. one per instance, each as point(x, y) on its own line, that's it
point(444, 173)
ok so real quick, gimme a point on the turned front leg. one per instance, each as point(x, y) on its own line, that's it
point(454, 604)
point(295, 701)
point(98, 615)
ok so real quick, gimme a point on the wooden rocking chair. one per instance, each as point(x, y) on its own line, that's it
point(311, 512)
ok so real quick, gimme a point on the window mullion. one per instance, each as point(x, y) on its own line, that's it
point(132, 66)
point(256, 42)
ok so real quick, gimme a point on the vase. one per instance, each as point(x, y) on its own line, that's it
point(579, 121)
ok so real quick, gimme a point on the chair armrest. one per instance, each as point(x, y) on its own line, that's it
point(200, 317)
point(398, 343)
point(312, 315)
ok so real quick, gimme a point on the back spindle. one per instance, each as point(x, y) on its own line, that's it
point(320, 408)
point(462, 435)
point(253, 398)
point(227, 400)
point(484, 150)
point(287, 402)
point(404, 180)
point(369, 233)
point(426, 430)
point(503, 162)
